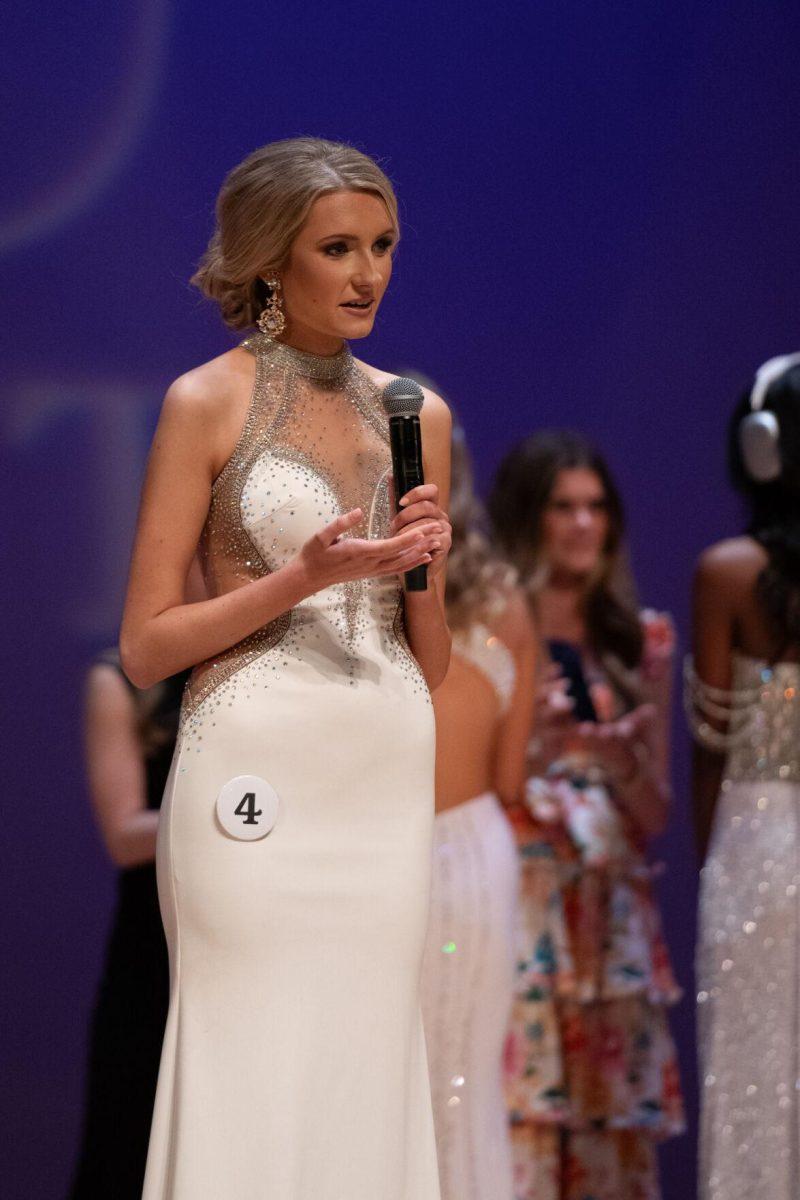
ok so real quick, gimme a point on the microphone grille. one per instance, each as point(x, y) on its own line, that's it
point(402, 398)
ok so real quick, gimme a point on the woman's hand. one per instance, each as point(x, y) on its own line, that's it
point(553, 722)
point(419, 509)
point(622, 746)
point(329, 557)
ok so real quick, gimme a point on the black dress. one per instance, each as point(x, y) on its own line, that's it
point(131, 1008)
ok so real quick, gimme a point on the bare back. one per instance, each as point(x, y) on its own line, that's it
point(728, 616)
point(484, 709)
point(727, 620)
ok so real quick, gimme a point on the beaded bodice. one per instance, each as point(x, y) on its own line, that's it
point(491, 657)
point(761, 713)
point(314, 445)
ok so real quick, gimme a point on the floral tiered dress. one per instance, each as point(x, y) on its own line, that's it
point(592, 1077)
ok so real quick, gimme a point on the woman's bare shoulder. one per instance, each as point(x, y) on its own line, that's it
point(204, 409)
point(209, 387)
point(107, 690)
point(733, 561)
point(514, 624)
point(434, 410)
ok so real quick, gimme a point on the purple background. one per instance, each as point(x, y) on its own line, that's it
point(600, 206)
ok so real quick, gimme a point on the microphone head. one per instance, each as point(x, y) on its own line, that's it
point(402, 398)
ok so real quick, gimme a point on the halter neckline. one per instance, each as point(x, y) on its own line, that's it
point(324, 368)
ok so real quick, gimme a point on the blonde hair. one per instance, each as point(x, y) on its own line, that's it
point(262, 205)
point(479, 582)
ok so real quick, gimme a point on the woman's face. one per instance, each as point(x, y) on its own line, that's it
point(337, 271)
point(575, 524)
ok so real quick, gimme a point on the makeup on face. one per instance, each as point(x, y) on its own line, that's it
point(575, 523)
point(338, 270)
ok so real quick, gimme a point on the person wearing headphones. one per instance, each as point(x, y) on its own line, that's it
point(743, 703)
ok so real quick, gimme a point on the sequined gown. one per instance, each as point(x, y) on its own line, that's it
point(294, 1063)
point(748, 956)
point(468, 968)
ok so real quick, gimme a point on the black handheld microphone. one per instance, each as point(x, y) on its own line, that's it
point(403, 399)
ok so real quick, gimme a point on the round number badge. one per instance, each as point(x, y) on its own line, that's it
point(247, 808)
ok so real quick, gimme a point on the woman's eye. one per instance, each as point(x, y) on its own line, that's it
point(336, 249)
point(383, 244)
point(599, 506)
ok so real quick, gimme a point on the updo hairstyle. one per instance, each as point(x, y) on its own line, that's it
point(479, 582)
point(261, 207)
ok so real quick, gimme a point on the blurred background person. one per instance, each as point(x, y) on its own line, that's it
point(743, 702)
point(129, 742)
point(483, 717)
point(592, 1074)
point(130, 738)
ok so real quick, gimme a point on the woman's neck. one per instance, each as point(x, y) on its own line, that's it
point(311, 341)
point(561, 610)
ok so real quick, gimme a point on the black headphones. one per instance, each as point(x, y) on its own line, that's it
point(759, 432)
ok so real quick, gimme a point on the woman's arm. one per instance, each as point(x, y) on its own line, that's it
point(649, 794)
point(426, 624)
point(712, 648)
point(635, 749)
point(515, 629)
point(161, 634)
point(115, 769)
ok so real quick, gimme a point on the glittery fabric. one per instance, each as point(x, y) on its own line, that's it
point(467, 987)
point(748, 968)
point(314, 445)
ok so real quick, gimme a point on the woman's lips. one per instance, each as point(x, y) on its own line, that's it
point(361, 308)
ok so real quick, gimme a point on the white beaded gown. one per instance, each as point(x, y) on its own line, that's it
point(748, 958)
point(468, 969)
point(294, 1063)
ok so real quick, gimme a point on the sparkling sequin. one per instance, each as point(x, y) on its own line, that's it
point(314, 444)
point(747, 960)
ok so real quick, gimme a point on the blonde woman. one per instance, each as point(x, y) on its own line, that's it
point(294, 846)
point(483, 717)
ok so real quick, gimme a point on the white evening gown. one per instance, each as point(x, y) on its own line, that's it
point(294, 1062)
point(748, 960)
point(468, 971)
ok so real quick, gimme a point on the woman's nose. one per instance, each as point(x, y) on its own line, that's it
point(367, 271)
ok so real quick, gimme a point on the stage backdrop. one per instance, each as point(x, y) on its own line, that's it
point(600, 211)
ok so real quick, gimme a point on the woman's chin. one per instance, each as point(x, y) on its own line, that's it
point(578, 570)
point(351, 331)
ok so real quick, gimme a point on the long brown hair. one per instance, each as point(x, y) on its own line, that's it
point(521, 492)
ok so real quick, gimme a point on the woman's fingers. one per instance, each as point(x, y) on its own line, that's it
point(405, 562)
point(362, 558)
point(416, 512)
point(425, 491)
point(409, 537)
point(331, 533)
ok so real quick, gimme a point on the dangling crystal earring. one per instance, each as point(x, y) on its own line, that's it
point(272, 320)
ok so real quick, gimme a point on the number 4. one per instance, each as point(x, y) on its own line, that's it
point(247, 808)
